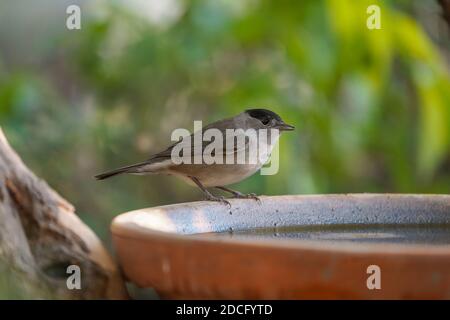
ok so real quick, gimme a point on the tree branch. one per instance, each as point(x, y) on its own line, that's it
point(40, 236)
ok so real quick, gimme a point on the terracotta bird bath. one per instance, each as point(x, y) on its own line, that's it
point(356, 246)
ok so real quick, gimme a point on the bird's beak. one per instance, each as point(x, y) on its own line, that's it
point(284, 126)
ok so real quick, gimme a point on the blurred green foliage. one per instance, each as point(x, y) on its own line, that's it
point(371, 107)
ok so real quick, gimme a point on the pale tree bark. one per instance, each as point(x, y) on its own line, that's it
point(40, 236)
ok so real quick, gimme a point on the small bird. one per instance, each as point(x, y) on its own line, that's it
point(216, 175)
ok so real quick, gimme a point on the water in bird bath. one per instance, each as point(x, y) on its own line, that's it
point(436, 234)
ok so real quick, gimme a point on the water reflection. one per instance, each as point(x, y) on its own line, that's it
point(407, 234)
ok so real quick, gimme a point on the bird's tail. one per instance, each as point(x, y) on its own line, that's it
point(128, 169)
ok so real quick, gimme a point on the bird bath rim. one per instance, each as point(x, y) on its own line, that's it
point(164, 248)
point(190, 221)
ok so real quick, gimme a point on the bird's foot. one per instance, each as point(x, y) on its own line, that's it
point(240, 195)
point(218, 199)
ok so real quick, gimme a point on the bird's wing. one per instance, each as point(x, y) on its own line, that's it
point(188, 141)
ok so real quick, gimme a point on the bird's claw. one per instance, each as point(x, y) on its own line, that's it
point(254, 197)
point(247, 196)
point(219, 199)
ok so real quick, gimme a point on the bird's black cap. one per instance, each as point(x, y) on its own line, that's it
point(263, 114)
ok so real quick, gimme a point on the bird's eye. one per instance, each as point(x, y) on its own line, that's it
point(265, 121)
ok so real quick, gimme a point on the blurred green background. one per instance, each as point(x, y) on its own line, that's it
point(371, 107)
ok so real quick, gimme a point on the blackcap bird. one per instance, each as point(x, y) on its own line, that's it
point(245, 145)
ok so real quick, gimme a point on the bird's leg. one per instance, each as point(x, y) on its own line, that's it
point(209, 196)
point(240, 195)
